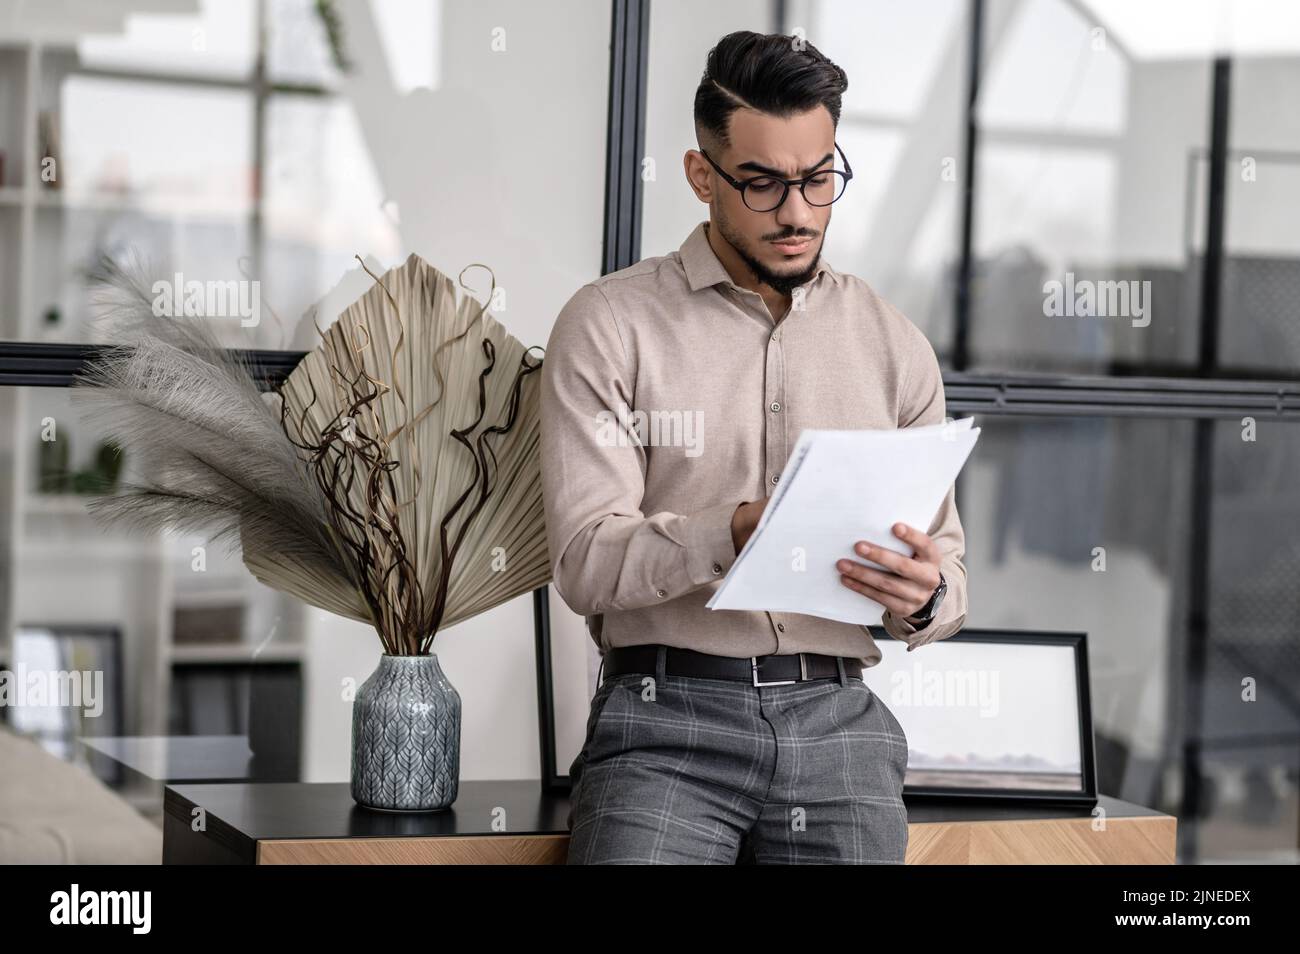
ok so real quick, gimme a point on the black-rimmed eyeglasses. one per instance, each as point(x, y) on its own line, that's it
point(766, 193)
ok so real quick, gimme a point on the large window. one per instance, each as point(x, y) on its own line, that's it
point(1132, 481)
point(275, 141)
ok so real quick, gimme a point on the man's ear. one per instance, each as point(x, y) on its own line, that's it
point(697, 171)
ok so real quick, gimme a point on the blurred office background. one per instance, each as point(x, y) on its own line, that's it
point(997, 144)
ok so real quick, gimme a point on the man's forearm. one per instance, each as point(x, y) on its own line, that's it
point(621, 562)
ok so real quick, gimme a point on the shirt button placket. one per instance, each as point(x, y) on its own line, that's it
point(775, 443)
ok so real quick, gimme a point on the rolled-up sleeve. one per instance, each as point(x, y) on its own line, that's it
point(605, 553)
point(923, 403)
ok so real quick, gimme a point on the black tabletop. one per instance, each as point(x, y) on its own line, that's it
point(268, 810)
point(179, 758)
point(271, 810)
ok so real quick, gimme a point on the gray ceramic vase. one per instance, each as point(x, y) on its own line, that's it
point(406, 737)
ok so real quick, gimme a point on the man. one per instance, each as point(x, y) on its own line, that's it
point(725, 736)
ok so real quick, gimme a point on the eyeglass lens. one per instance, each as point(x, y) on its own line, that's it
point(765, 194)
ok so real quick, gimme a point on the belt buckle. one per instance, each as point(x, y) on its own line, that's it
point(753, 668)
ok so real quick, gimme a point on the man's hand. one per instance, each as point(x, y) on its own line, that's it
point(910, 582)
point(745, 519)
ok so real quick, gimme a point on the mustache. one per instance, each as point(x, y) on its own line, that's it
point(791, 235)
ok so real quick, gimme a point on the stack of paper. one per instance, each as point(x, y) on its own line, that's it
point(839, 487)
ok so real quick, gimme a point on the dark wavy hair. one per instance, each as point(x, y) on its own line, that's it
point(775, 74)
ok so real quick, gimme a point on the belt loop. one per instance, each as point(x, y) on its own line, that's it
point(661, 667)
point(839, 664)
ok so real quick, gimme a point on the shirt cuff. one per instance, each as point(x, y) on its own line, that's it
point(710, 551)
point(908, 632)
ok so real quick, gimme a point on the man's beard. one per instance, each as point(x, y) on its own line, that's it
point(782, 284)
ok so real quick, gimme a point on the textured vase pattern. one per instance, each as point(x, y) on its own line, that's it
point(406, 736)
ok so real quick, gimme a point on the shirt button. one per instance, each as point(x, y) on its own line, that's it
point(775, 337)
point(780, 627)
point(717, 568)
point(661, 593)
point(775, 478)
point(776, 405)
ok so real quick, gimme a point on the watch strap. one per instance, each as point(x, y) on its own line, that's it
point(927, 612)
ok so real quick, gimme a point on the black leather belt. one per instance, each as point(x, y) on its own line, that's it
point(755, 670)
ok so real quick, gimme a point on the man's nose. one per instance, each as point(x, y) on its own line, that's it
point(795, 212)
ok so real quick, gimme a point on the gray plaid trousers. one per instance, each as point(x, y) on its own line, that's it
point(687, 770)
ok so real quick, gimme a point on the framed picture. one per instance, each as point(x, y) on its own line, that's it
point(992, 714)
point(78, 670)
point(566, 682)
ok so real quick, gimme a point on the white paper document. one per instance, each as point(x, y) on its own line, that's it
point(839, 487)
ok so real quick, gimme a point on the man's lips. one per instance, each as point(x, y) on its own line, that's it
point(793, 246)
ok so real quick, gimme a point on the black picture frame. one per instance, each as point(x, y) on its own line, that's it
point(107, 770)
point(1087, 793)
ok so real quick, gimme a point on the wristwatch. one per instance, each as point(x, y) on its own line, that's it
point(926, 612)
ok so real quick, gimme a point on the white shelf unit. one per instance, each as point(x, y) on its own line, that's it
point(61, 566)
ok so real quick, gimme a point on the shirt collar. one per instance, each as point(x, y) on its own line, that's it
point(703, 269)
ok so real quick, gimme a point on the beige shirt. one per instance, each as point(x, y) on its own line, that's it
point(669, 396)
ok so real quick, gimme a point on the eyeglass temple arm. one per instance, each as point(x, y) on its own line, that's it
point(848, 169)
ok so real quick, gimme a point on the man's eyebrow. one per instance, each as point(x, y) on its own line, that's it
point(756, 167)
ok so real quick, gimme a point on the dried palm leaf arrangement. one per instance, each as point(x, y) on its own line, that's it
point(394, 477)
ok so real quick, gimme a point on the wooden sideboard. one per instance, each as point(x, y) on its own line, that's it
point(514, 822)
